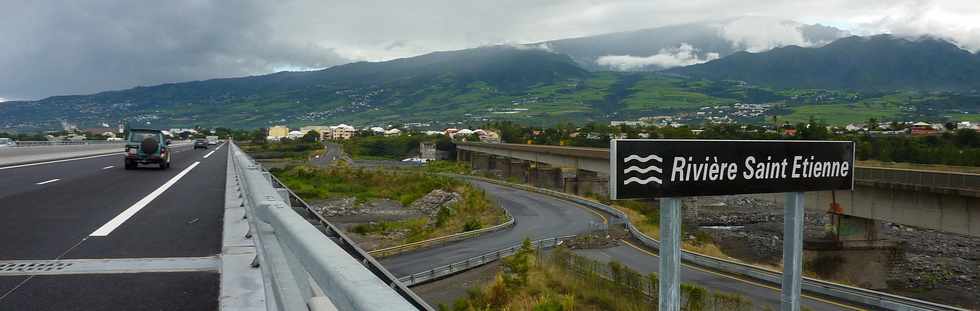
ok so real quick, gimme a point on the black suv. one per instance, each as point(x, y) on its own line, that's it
point(200, 143)
point(145, 146)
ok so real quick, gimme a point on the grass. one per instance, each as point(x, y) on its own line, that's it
point(646, 218)
point(844, 113)
point(474, 211)
point(287, 149)
point(561, 280)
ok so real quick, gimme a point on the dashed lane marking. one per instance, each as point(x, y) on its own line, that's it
point(48, 181)
point(136, 207)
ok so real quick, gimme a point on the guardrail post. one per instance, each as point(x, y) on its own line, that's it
point(670, 254)
point(792, 251)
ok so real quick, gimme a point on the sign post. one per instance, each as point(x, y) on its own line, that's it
point(670, 254)
point(792, 250)
point(673, 168)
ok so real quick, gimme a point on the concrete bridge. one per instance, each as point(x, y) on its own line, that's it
point(945, 201)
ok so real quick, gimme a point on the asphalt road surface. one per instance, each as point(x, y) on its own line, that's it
point(540, 216)
point(91, 208)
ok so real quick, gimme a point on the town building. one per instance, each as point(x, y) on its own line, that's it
point(278, 132)
point(339, 132)
point(922, 128)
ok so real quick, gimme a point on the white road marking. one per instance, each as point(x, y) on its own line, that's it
point(136, 207)
point(219, 147)
point(57, 161)
point(48, 182)
point(209, 153)
point(108, 167)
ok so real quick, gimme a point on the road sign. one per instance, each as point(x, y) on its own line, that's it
point(654, 168)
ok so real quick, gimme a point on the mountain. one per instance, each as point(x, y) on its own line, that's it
point(664, 47)
point(333, 93)
point(537, 85)
point(881, 62)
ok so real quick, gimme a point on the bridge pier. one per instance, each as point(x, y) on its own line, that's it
point(545, 176)
point(480, 161)
point(519, 170)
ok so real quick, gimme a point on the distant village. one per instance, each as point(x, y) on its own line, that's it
point(345, 132)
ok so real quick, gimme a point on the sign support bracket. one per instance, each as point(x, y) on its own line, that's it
point(792, 251)
point(670, 254)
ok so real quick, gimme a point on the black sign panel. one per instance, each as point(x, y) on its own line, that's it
point(653, 168)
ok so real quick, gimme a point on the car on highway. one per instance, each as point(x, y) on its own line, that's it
point(212, 140)
point(7, 142)
point(200, 144)
point(147, 146)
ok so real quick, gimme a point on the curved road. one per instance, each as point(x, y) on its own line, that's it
point(540, 216)
point(537, 216)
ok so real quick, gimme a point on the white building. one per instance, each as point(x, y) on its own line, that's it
point(339, 132)
point(393, 132)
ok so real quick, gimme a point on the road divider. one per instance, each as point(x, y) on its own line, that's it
point(115, 222)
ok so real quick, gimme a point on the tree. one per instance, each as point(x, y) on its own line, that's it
point(873, 124)
point(311, 137)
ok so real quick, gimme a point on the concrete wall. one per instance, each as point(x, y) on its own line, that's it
point(945, 212)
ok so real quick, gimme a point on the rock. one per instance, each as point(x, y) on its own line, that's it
point(435, 200)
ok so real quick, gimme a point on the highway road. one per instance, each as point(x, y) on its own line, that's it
point(541, 216)
point(65, 212)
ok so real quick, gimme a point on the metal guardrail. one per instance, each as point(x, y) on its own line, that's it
point(20, 144)
point(356, 251)
point(303, 267)
point(473, 262)
point(389, 251)
point(847, 293)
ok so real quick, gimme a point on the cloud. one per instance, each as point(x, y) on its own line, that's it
point(56, 47)
point(684, 55)
point(759, 34)
point(954, 21)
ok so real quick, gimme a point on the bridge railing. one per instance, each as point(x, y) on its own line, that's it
point(476, 261)
point(304, 267)
point(919, 178)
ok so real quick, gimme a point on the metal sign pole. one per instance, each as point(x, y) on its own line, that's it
point(792, 251)
point(670, 254)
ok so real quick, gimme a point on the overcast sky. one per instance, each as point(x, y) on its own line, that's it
point(53, 47)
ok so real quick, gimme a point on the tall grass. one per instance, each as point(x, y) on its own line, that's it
point(562, 280)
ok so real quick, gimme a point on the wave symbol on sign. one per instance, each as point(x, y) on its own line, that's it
point(643, 159)
point(642, 181)
point(643, 170)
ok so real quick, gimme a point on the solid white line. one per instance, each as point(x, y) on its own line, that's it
point(47, 182)
point(57, 161)
point(209, 153)
point(132, 210)
point(108, 167)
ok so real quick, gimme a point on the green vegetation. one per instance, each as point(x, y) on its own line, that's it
point(284, 149)
point(844, 113)
point(561, 280)
point(473, 211)
point(384, 147)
